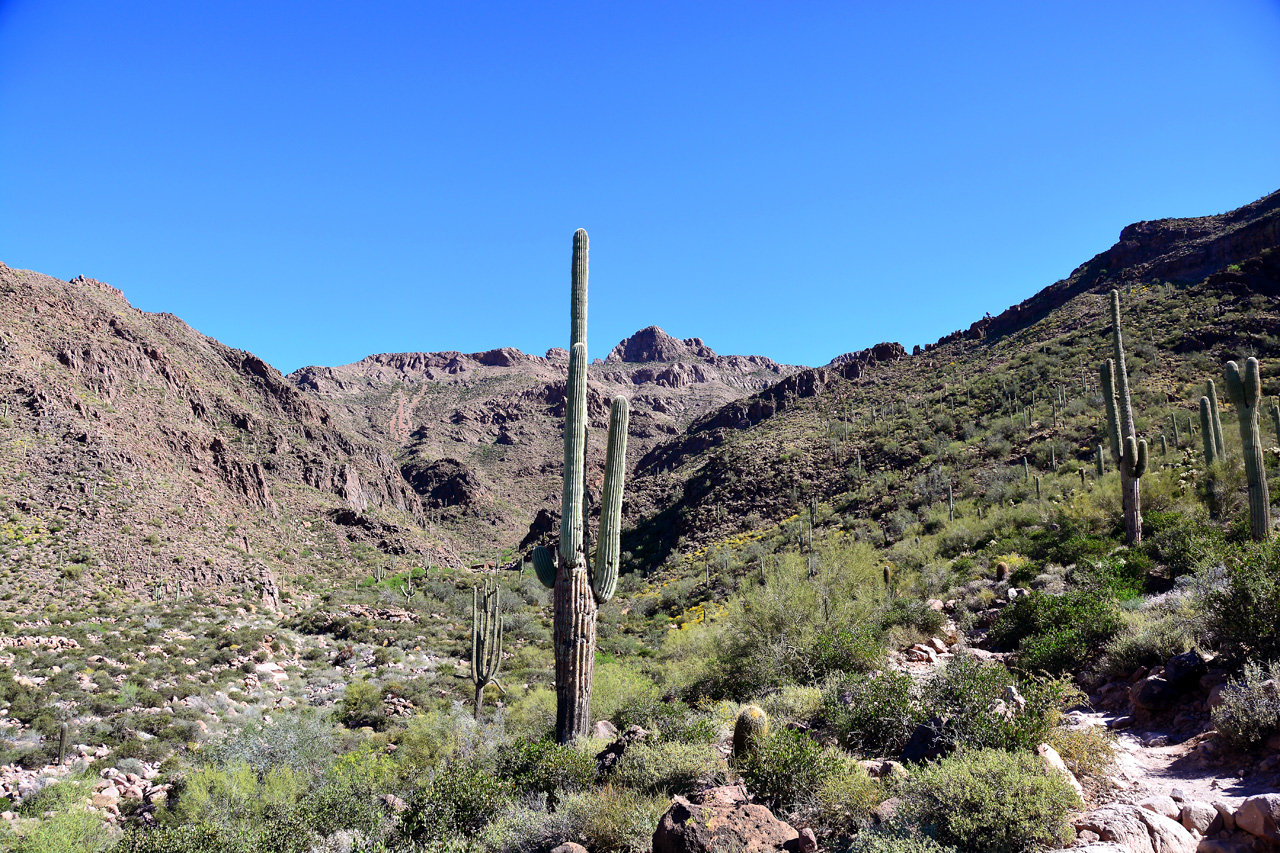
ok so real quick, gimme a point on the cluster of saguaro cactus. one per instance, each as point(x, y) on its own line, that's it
point(580, 583)
point(1245, 391)
point(751, 727)
point(1211, 426)
point(1130, 453)
point(486, 638)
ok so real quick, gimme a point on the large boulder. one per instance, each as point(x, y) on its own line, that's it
point(1260, 816)
point(925, 743)
point(1200, 817)
point(1185, 670)
point(1153, 693)
point(1136, 829)
point(722, 820)
point(608, 758)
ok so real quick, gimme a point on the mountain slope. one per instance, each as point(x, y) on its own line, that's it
point(140, 454)
point(879, 430)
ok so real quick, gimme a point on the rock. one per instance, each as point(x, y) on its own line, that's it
point(1227, 814)
point(924, 743)
point(569, 847)
point(1273, 742)
point(1014, 700)
point(1120, 723)
point(1137, 830)
point(884, 769)
point(808, 842)
point(1153, 693)
point(1053, 761)
point(1199, 816)
point(608, 758)
point(394, 803)
point(1184, 670)
point(1239, 842)
point(1100, 847)
point(1260, 816)
point(886, 811)
point(605, 730)
point(1163, 805)
point(713, 826)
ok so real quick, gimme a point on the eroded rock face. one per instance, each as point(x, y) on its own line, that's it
point(653, 344)
point(1137, 830)
point(722, 820)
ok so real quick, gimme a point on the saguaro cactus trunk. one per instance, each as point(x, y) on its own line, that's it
point(581, 585)
point(1129, 452)
point(1245, 391)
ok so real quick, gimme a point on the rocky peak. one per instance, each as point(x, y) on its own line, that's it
point(653, 344)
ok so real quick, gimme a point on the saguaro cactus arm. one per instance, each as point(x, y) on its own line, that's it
point(1206, 432)
point(604, 574)
point(1107, 374)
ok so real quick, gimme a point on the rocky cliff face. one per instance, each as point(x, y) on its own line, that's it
point(161, 456)
point(478, 435)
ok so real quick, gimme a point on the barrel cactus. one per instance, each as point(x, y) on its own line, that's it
point(751, 727)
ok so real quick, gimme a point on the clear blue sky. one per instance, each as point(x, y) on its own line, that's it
point(318, 181)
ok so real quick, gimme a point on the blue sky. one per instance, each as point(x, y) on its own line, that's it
point(319, 181)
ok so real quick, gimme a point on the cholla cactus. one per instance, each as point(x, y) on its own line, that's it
point(751, 727)
point(1245, 391)
point(580, 583)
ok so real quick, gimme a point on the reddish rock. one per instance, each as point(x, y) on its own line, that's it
point(1260, 816)
point(714, 825)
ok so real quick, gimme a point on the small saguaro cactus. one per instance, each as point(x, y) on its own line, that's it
point(582, 584)
point(1177, 436)
point(1211, 391)
point(407, 590)
point(951, 503)
point(751, 727)
point(1101, 463)
point(1083, 484)
point(1129, 452)
point(486, 639)
point(1164, 446)
point(1275, 418)
point(1206, 430)
point(62, 744)
point(1245, 390)
point(1037, 488)
point(1026, 470)
point(888, 580)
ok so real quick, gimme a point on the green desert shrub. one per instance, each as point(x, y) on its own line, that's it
point(1149, 637)
point(362, 706)
point(668, 767)
point(912, 613)
point(1056, 633)
point(543, 766)
point(65, 825)
point(990, 801)
point(794, 775)
point(1250, 709)
point(847, 649)
point(873, 714)
point(961, 696)
point(896, 838)
point(1240, 605)
point(608, 819)
point(462, 797)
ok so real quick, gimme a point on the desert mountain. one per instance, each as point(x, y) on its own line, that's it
point(479, 435)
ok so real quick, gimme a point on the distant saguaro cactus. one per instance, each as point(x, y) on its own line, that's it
point(1206, 431)
point(1100, 462)
point(1129, 452)
point(62, 744)
point(1245, 391)
point(751, 727)
point(580, 583)
point(1275, 418)
point(486, 638)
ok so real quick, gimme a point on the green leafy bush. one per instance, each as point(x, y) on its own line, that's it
point(873, 714)
point(1241, 607)
point(793, 774)
point(1056, 633)
point(896, 839)
point(962, 695)
point(460, 800)
point(846, 649)
point(667, 767)
point(546, 767)
point(990, 801)
point(912, 613)
point(362, 706)
point(1250, 709)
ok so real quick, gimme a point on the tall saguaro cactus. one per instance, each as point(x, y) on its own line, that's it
point(1206, 431)
point(1130, 453)
point(1245, 391)
point(1215, 420)
point(580, 583)
point(486, 639)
